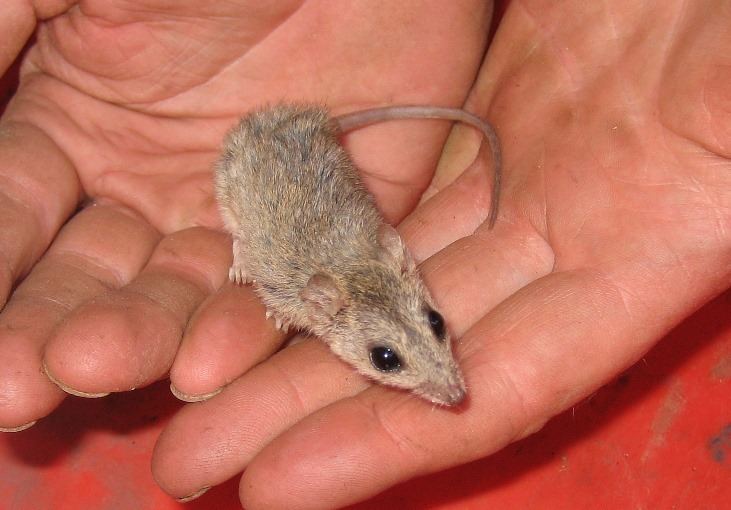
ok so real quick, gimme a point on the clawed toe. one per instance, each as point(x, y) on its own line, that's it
point(237, 275)
point(279, 322)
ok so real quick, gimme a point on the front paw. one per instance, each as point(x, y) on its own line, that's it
point(237, 274)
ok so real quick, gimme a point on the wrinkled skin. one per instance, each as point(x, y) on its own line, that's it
point(127, 103)
point(614, 225)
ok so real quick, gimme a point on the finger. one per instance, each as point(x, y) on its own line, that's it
point(128, 338)
point(469, 267)
point(222, 434)
point(38, 191)
point(201, 367)
point(213, 458)
point(228, 334)
point(453, 213)
point(541, 350)
point(476, 273)
point(79, 265)
point(185, 473)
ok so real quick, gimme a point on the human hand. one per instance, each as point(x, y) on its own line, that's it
point(614, 226)
point(126, 103)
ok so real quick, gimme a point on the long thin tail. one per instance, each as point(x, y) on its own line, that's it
point(356, 120)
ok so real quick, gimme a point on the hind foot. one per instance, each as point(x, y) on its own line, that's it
point(237, 272)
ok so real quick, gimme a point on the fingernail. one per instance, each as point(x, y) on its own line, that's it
point(193, 398)
point(19, 427)
point(193, 496)
point(68, 389)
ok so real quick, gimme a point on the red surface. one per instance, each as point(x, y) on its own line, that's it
point(659, 437)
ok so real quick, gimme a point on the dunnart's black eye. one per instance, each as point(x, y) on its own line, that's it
point(437, 324)
point(385, 359)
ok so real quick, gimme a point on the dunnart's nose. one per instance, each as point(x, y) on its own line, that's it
point(455, 394)
point(449, 394)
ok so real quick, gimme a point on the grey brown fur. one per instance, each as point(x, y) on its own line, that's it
point(308, 235)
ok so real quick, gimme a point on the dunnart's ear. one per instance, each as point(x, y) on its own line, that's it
point(393, 249)
point(323, 298)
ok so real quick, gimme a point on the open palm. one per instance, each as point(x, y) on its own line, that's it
point(126, 103)
point(614, 227)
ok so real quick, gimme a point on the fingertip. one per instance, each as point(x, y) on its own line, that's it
point(197, 494)
point(175, 465)
point(111, 344)
point(84, 357)
point(29, 400)
point(193, 398)
point(68, 389)
point(19, 428)
point(226, 336)
point(318, 465)
point(25, 393)
point(210, 442)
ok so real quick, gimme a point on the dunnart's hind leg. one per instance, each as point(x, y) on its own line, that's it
point(237, 272)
